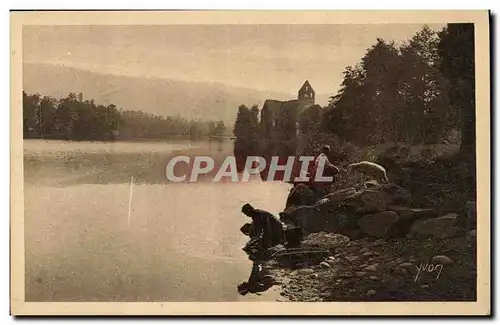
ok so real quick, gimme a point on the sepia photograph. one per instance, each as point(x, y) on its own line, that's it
point(250, 163)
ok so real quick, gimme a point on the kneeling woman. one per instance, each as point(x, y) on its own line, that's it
point(265, 226)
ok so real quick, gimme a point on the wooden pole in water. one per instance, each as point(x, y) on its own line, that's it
point(130, 199)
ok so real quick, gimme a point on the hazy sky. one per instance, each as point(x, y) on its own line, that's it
point(266, 57)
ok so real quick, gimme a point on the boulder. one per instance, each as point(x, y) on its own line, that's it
point(300, 194)
point(442, 227)
point(339, 222)
point(397, 194)
point(306, 217)
point(341, 196)
point(374, 200)
point(378, 225)
point(407, 217)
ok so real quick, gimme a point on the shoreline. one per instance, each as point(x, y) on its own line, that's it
point(411, 243)
point(364, 270)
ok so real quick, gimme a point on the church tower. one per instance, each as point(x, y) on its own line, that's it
point(306, 93)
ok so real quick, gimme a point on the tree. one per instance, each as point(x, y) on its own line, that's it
point(310, 119)
point(64, 118)
point(242, 122)
point(364, 110)
point(30, 115)
point(220, 128)
point(381, 65)
point(246, 130)
point(47, 114)
point(344, 115)
point(456, 53)
point(255, 115)
point(395, 93)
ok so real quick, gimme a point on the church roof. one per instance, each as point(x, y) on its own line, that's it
point(306, 87)
point(273, 105)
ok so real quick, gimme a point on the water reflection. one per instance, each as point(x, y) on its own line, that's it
point(258, 281)
point(181, 242)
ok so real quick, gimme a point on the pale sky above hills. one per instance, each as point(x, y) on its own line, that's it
point(266, 57)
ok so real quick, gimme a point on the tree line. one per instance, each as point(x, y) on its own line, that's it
point(73, 118)
point(419, 92)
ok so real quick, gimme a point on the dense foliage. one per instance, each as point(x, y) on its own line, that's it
point(246, 131)
point(73, 118)
point(396, 94)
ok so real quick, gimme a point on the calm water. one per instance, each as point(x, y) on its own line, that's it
point(181, 243)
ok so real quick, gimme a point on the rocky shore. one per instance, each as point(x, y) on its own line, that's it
point(381, 270)
point(371, 242)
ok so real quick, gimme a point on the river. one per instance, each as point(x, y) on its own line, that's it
point(180, 241)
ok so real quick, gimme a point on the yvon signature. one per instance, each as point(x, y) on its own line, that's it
point(429, 268)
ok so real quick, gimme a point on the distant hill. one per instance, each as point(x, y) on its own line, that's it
point(191, 100)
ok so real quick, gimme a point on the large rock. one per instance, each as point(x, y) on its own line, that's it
point(305, 217)
point(300, 194)
point(372, 196)
point(375, 200)
point(378, 225)
point(345, 211)
point(338, 197)
point(441, 227)
point(398, 194)
point(315, 219)
point(407, 217)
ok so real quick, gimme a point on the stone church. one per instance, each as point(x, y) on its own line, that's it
point(279, 122)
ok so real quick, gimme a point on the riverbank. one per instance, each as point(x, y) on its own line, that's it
point(384, 270)
point(413, 240)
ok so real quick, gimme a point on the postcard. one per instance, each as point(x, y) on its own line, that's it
point(250, 163)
